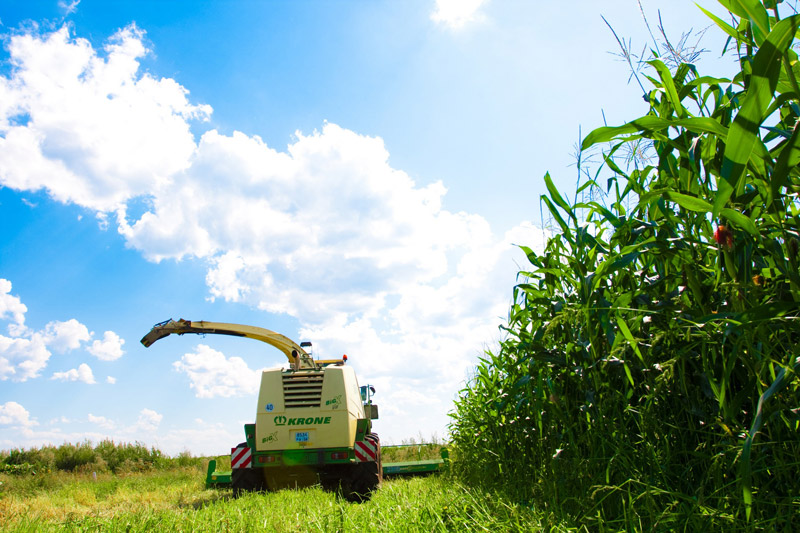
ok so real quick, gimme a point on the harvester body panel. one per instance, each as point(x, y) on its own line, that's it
point(307, 409)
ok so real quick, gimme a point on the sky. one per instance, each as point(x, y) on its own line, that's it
point(352, 173)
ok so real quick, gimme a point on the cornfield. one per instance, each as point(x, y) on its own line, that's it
point(647, 379)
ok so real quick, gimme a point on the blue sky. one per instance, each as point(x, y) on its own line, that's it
point(350, 173)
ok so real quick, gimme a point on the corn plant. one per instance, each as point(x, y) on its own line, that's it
point(647, 378)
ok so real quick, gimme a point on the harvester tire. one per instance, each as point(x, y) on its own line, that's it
point(377, 440)
point(331, 476)
point(366, 477)
point(363, 480)
point(246, 480)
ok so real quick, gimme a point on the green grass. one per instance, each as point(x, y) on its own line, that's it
point(176, 500)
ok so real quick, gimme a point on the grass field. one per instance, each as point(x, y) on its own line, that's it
point(176, 500)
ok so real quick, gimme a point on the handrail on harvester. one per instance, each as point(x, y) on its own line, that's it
point(296, 355)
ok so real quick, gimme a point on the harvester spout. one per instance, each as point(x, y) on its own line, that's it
point(296, 355)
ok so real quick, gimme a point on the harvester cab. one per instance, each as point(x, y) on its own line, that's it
point(313, 423)
point(370, 409)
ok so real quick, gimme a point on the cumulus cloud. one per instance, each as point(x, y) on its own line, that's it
point(111, 380)
point(213, 375)
point(456, 14)
point(84, 126)
point(65, 336)
point(13, 414)
point(83, 373)
point(22, 358)
point(10, 306)
point(26, 352)
point(101, 421)
point(149, 420)
point(326, 230)
point(108, 349)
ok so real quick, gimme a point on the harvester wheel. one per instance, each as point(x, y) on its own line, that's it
point(362, 480)
point(331, 476)
point(374, 437)
point(246, 480)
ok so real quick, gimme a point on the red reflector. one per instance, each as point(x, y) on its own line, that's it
point(339, 455)
point(266, 459)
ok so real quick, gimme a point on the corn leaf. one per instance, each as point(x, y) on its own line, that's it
point(692, 203)
point(650, 123)
point(556, 196)
point(727, 28)
point(669, 87)
point(558, 217)
point(743, 135)
point(626, 332)
point(755, 12)
point(789, 159)
point(740, 220)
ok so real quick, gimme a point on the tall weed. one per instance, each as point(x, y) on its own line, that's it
point(106, 456)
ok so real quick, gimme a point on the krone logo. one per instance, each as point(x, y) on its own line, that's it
point(281, 420)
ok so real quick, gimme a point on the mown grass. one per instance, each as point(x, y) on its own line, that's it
point(177, 500)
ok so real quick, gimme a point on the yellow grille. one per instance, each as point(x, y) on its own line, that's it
point(302, 389)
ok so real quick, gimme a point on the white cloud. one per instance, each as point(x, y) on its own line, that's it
point(13, 414)
point(10, 306)
point(327, 228)
point(83, 373)
point(92, 131)
point(149, 420)
point(65, 336)
point(22, 358)
point(108, 349)
point(101, 421)
point(26, 352)
point(213, 375)
point(111, 380)
point(102, 221)
point(456, 14)
point(68, 7)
